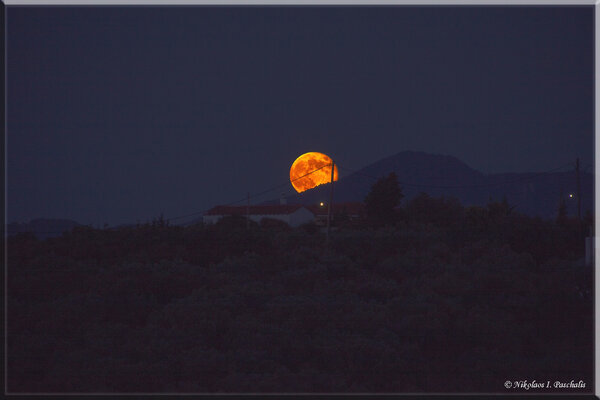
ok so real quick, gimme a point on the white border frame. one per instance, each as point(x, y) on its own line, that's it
point(595, 3)
point(302, 3)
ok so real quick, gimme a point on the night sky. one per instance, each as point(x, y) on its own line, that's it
point(116, 114)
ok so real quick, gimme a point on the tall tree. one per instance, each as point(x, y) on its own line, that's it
point(562, 211)
point(384, 197)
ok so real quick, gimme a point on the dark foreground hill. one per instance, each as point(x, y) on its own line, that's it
point(416, 307)
point(535, 194)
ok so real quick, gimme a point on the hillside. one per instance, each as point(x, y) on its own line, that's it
point(535, 194)
point(420, 307)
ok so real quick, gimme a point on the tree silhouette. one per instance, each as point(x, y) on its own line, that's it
point(498, 211)
point(341, 217)
point(562, 211)
point(385, 195)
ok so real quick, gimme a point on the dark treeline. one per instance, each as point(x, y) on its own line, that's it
point(432, 297)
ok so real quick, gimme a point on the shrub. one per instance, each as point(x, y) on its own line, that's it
point(274, 224)
point(309, 227)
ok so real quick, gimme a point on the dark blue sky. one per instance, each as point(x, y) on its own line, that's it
point(116, 114)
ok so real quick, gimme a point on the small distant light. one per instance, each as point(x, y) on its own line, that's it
point(321, 204)
point(571, 195)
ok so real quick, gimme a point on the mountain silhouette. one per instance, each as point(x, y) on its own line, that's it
point(532, 193)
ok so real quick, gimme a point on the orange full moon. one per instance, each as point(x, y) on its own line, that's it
point(310, 170)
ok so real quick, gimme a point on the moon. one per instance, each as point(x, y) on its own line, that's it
point(310, 170)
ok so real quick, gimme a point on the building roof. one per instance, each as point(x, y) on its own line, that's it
point(277, 209)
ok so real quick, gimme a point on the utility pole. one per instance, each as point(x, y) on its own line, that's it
point(578, 190)
point(329, 205)
point(248, 213)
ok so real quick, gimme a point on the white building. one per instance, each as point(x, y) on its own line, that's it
point(292, 214)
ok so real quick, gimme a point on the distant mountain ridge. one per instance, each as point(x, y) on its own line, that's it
point(535, 194)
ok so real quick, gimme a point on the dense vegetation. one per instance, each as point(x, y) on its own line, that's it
point(441, 298)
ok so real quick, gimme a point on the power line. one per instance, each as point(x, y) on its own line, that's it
point(285, 184)
point(465, 186)
point(252, 196)
point(515, 205)
point(203, 211)
point(360, 173)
